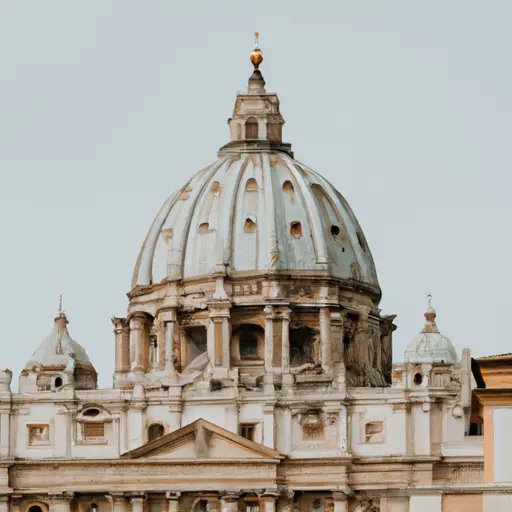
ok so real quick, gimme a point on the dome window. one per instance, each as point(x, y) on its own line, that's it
point(361, 241)
point(250, 225)
point(418, 379)
point(251, 128)
point(215, 187)
point(155, 431)
point(288, 189)
point(335, 230)
point(251, 185)
point(296, 229)
point(57, 382)
point(204, 228)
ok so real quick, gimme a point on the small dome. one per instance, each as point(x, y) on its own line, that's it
point(256, 209)
point(58, 349)
point(430, 346)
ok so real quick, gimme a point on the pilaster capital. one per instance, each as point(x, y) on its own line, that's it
point(285, 493)
point(167, 315)
point(270, 494)
point(269, 312)
point(172, 496)
point(230, 496)
point(116, 497)
point(339, 496)
point(284, 313)
point(136, 496)
point(218, 309)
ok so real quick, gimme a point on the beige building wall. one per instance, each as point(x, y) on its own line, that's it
point(462, 503)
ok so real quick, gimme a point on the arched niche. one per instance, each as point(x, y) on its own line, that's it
point(304, 346)
point(156, 430)
point(247, 344)
point(251, 128)
point(36, 506)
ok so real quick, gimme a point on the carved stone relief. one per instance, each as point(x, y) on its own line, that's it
point(38, 435)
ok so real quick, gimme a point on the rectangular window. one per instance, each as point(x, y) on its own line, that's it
point(93, 431)
point(247, 431)
point(252, 506)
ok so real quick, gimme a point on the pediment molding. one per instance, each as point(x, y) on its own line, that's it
point(200, 433)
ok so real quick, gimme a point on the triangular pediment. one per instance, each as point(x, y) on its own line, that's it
point(202, 440)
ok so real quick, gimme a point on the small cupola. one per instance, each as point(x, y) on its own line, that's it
point(59, 362)
point(257, 123)
point(430, 346)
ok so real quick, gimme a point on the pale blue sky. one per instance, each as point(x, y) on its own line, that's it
point(108, 106)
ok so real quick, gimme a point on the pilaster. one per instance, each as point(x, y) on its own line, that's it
point(136, 344)
point(137, 501)
point(118, 501)
point(4, 504)
point(5, 429)
point(268, 500)
point(340, 502)
point(325, 335)
point(229, 502)
point(268, 425)
point(218, 337)
point(269, 323)
point(62, 432)
point(59, 502)
point(168, 319)
point(173, 501)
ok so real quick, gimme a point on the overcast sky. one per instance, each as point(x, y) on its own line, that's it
point(107, 106)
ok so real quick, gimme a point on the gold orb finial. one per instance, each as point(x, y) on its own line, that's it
point(256, 54)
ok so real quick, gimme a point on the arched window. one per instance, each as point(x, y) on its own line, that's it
point(57, 383)
point(248, 345)
point(296, 229)
point(251, 128)
point(250, 225)
point(155, 431)
point(35, 508)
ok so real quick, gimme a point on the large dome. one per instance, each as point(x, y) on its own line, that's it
point(256, 209)
point(255, 212)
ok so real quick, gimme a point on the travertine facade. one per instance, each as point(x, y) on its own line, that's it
point(253, 369)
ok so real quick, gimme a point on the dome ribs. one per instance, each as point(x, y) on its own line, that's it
point(317, 232)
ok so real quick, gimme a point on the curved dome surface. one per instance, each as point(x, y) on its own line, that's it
point(430, 346)
point(58, 348)
point(254, 211)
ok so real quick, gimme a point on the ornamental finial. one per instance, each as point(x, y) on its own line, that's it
point(256, 54)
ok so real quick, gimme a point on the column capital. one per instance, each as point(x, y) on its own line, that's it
point(172, 495)
point(270, 494)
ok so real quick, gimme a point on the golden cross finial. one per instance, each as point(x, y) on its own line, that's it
point(256, 39)
point(429, 296)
